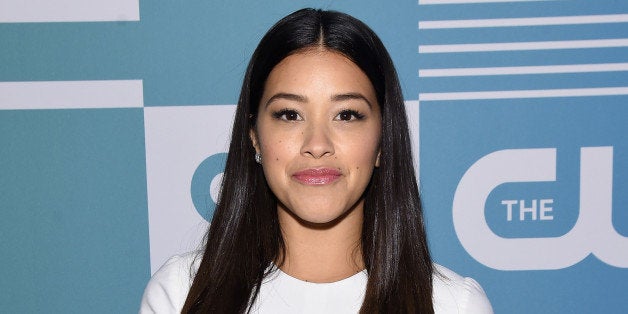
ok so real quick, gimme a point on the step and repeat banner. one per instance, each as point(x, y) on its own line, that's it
point(115, 117)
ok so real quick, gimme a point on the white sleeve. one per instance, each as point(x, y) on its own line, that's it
point(454, 294)
point(475, 300)
point(168, 287)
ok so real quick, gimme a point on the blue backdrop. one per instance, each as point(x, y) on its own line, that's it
point(114, 118)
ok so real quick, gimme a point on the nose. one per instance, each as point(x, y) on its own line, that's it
point(317, 141)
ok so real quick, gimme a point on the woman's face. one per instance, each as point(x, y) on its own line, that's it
point(318, 131)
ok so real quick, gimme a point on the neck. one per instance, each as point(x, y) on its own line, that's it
point(322, 252)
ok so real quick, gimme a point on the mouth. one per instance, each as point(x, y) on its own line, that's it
point(317, 176)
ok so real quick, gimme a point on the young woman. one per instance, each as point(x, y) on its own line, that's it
point(319, 210)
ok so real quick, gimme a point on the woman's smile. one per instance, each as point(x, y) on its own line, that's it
point(317, 176)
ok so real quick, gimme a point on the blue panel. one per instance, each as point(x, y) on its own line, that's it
point(521, 58)
point(192, 53)
point(454, 135)
point(74, 208)
point(516, 82)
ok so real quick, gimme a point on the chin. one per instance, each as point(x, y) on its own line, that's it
point(323, 219)
point(316, 218)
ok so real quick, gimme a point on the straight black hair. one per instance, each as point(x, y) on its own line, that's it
point(244, 241)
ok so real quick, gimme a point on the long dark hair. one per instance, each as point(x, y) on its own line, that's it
point(244, 239)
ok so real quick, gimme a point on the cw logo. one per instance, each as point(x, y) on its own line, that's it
point(201, 185)
point(593, 232)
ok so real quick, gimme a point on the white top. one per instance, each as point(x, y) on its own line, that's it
point(280, 293)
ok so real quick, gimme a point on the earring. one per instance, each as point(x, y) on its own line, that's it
point(258, 158)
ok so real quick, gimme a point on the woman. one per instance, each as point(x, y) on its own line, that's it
point(319, 210)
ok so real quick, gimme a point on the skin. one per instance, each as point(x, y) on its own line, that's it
point(319, 111)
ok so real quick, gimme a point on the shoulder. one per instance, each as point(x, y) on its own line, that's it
point(167, 289)
point(456, 294)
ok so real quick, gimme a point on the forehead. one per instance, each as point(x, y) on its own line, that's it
point(318, 69)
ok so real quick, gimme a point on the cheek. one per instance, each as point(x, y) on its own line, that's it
point(361, 160)
point(364, 149)
point(274, 150)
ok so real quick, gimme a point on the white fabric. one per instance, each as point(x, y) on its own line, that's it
point(280, 293)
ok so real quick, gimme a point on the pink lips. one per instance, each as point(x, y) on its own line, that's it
point(317, 176)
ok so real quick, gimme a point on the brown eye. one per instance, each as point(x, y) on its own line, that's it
point(291, 115)
point(287, 115)
point(349, 115)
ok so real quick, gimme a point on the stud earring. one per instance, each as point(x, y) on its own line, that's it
point(258, 158)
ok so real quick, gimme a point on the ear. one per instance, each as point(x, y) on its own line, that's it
point(377, 160)
point(253, 136)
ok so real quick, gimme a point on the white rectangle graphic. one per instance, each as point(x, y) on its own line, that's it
point(178, 140)
point(530, 45)
point(529, 21)
point(71, 94)
point(37, 11)
point(516, 94)
point(521, 70)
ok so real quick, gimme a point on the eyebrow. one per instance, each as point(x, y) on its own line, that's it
point(351, 96)
point(303, 99)
point(287, 96)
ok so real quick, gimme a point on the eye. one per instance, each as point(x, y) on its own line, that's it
point(287, 115)
point(349, 115)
